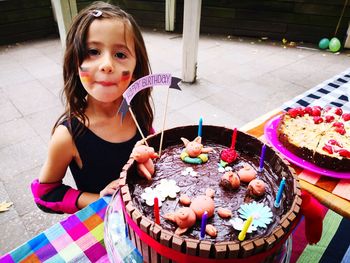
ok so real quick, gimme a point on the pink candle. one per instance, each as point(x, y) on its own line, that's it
point(156, 211)
point(234, 136)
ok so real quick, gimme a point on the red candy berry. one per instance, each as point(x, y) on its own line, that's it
point(329, 118)
point(228, 155)
point(328, 148)
point(346, 116)
point(318, 120)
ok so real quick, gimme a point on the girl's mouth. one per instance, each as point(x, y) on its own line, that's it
point(106, 83)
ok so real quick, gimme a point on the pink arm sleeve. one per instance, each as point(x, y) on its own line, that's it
point(66, 205)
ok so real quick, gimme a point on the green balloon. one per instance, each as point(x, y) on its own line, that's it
point(334, 44)
point(324, 43)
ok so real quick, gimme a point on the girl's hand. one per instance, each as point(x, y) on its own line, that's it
point(110, 188)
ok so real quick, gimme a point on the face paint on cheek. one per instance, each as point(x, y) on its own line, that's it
point(84, 75)
point(125, 76)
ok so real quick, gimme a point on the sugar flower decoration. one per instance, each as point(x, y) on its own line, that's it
point(222, 169)
point(262, 215)
point(238, 224)
point(166, 188)
point(189, 171)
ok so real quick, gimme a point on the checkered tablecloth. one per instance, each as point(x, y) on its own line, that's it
point(332, 92)
point(79, 238)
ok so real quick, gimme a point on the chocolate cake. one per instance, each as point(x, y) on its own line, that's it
point(226, 243)
point(318, 135)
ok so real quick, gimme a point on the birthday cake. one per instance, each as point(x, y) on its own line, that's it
point(318, 135)
point(216, 182)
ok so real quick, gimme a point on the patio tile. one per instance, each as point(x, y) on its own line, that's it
point(11, 213)
point(8, 112)
point(14, 131)
point(43, 121)
point(22, 156)
point(30, 97)
point(13, 234)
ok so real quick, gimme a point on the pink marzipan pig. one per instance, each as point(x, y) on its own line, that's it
point(184, 218)
point(195, 147)
point(143, 155)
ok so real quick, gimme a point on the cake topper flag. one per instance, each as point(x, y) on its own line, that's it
point(161, 79)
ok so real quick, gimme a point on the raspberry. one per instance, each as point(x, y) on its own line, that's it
point(228, 155)
point(338, 124)
point(346, 116)
point(328, 148)
point(327, 108)
point(293, 112)
point(316, 111)
point(334, 142)
point(329, 118)
point(308, 110)
point(318, 120)
point(338, 111)
point(340, 130)
point(344, 153)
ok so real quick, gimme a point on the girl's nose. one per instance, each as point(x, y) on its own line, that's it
point(107, 65)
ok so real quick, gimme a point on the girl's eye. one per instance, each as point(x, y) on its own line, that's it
point(93, 52)
point(120, 55)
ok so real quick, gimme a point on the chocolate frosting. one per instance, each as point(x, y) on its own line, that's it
point(170, 166)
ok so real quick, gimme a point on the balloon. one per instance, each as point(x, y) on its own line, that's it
point(324, 43)
point(334, 44)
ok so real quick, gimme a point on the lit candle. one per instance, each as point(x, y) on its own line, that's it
point(262, 157)
point(247, 223)
point(234, 136)
point(156, 211)
point(200, 127)
point(204, 224)
point(279, 193)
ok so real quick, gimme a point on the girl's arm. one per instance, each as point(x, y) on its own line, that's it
point(49, 193)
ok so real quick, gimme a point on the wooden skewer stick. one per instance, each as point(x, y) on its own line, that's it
point(162, 134)
point(137, 125)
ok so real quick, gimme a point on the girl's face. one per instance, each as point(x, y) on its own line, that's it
point(107, 70)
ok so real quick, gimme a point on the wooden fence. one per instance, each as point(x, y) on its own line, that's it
point(295, 20)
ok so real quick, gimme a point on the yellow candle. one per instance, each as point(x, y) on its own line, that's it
point(246, 225)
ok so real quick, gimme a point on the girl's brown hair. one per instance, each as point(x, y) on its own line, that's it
point(75, 53)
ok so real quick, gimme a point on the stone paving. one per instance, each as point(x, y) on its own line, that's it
point(238, 80)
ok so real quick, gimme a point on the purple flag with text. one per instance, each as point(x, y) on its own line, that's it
point(145, 82)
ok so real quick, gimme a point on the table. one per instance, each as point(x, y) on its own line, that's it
point(334, 193)
point(79, 237)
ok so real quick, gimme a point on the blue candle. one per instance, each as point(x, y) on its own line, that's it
point(262, 157)
point(200, 127)
point(204, 224)
point(279, 193)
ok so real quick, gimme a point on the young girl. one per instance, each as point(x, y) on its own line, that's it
point(105, 53)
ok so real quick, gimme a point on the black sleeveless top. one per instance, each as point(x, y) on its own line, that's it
point(102, 160)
